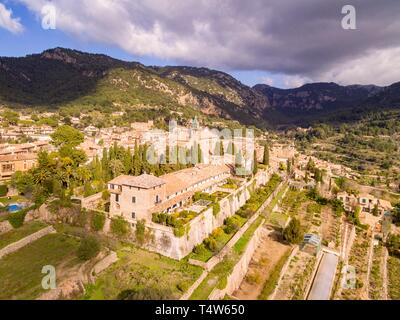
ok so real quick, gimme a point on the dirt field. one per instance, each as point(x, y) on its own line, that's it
point(264, 259)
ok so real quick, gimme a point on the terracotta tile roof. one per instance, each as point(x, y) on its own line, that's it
point(18, 157)
point(180, 180)
point(145, 181)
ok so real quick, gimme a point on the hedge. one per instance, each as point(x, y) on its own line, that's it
point(120, 227)
point(3, 190)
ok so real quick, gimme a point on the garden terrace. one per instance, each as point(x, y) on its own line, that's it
point(139, 270)
point(217, 277)
point(394, 277)
point(232, 184)
point(21, 272)
point(221, 236)
point(20, 233)
point(359, 260)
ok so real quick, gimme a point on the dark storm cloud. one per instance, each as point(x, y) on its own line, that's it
point(289, 37)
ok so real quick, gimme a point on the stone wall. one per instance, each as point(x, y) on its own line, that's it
point(5, 226)
point(105, 263)
point(166, 243)
point(239, 271)
point(25, 241)
point(92, 201)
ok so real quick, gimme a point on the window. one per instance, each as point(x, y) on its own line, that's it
point(117, 197)
point(133, 199)
point(8, 168)
point(133, 215)
point(157, 199)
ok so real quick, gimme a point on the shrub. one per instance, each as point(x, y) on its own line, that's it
point(293, 232)
point(120, 227)
point(105, 195)
point(17, 219)
point(148, 293)
point(200, 249)
point(98, 221)
point(211, 244)
point(140, 231)
point(3, 190)
point(216, 209)
point(231, 225)
point(89, 248)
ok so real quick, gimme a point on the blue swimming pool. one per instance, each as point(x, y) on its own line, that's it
point(14, 207)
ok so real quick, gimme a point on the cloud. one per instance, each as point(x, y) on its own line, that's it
point(267, 80)
point(8, 22)
point(295, 81)
point(296, 38)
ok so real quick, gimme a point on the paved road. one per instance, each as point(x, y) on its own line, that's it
point(323, 282)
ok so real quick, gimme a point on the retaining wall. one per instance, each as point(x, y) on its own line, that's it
point(25, 241)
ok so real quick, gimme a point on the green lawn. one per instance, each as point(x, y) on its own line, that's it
point(18, 234)
point(139, 269)
point(20, 272)
point(241, 244)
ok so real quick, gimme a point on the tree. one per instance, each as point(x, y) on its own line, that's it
point(293, 232)
point(11, 117)
point(117, 167)
point(266, 155)
point(23, 182)
point(67, 136)
point(289, 167)
point(255, 163)
point(89, 248)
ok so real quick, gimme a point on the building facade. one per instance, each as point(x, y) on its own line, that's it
point(137, 198)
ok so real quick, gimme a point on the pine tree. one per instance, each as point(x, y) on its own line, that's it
point(266, 156)
point(255, 163)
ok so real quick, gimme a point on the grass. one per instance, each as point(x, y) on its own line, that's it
point(216, 278)
point(394, 277)
point(17, 234)
point(222, 238)
point(376, 281)
point(14, 199)
point(278, 219)
point(21, 272)
point(273, 278)
point(139, 269)
point(241, 244)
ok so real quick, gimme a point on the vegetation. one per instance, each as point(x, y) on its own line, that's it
point(120, 227)
point(138, 269)
point(18, 234)
point(293, 232)
point(273, 278)
point(21, 272)
point(89, 248)
point(98, 221)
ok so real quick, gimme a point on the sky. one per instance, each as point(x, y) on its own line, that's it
point(282, 43)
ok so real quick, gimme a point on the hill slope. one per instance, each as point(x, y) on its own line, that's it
point(60, 77)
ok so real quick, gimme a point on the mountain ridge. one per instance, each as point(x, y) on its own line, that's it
point(62, 77)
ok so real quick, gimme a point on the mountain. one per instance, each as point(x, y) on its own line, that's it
point(68, 78)
point(63, 77)
point(328, 102)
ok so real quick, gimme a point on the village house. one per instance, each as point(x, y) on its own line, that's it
point(136, 198)
point(9, 164)
point(367, 202)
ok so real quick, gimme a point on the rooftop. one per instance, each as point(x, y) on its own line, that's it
point(145, 181)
